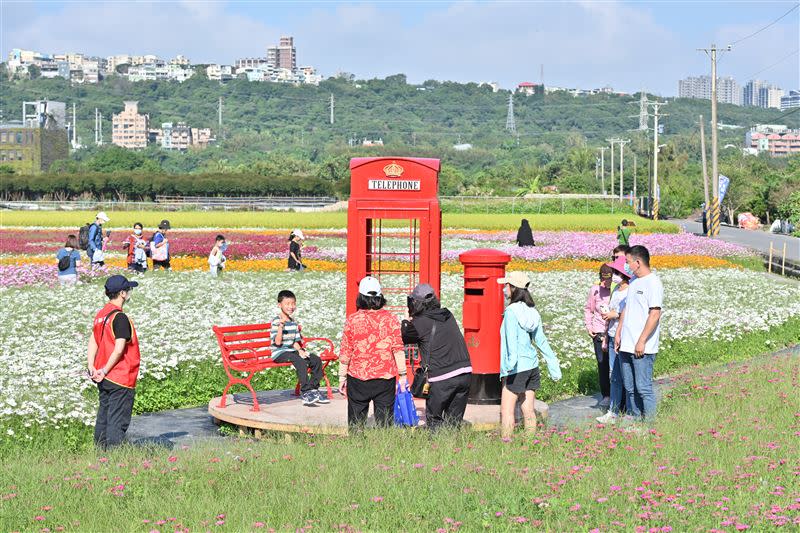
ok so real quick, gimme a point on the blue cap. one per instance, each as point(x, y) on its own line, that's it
point(119, 283)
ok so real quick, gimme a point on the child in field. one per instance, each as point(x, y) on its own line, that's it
point(597, 303)
point(216, 259)
point(519, 360)
point(287, 347)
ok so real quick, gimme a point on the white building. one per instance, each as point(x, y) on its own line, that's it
point(219, 72)
point(770, 97)
point(728, 91)
point(791, 101)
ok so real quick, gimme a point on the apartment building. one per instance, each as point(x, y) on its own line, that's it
point(283, 55)
point(790, 101)
point(129, 128)
point(728, 91)
point(775, 139)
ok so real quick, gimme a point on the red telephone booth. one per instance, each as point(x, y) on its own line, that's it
point(394, 226)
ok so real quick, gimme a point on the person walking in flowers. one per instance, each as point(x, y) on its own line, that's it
point(520, 331)
point(216, 258)
point(636, 339)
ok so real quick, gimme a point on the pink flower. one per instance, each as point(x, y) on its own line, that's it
point(172, 459)
point(258, 524)
point(615, 488)
point(38, 518)
point(575, 507)
point(377, 499)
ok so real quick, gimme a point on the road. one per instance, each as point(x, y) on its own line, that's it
point(755, 239)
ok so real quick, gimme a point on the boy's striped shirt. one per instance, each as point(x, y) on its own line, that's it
point(291, 335)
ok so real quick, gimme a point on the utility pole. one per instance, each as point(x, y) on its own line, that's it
point(613, 142)
point(715, 212)
point(635, 198)
point(219, 114)
point(74, 127)
point(656, 198)
point(97, 125)
point(510, 124)
point(603, 167)
point(331, 108)
point(622, 144)
point(705, 168)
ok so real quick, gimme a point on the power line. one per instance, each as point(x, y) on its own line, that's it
point(781, 60)
point(765, 27)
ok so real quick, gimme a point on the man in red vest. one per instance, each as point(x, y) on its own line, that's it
point(113, 363)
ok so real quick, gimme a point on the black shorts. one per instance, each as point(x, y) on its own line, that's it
point(523, 381)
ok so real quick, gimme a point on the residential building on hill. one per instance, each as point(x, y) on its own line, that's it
point(728, 91)
point(129, 128)
point(775, 139)
point(283, 55)
point(790, 101)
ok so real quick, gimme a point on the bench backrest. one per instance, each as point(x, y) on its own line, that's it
point(245, 344)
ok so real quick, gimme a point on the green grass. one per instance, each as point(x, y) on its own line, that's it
point(722, 453)
point(282, 220)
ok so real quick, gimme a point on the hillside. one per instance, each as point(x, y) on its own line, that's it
point(284, 131)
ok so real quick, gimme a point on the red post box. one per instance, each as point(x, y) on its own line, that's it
point(394, 226)
point(482, 318)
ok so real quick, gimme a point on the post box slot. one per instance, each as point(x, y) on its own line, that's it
point(474, 292)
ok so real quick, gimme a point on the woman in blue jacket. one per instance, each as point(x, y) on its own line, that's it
point(519, 362)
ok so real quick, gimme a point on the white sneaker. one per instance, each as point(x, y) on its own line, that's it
point(608, 418)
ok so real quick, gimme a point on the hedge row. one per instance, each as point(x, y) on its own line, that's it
point(145, 186)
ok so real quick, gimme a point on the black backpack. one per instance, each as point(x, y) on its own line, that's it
point(65, 262)
point(83, 236)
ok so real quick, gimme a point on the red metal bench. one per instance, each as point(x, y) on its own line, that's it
point(247, 349)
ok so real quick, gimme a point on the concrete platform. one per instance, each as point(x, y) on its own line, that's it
point(282, 411)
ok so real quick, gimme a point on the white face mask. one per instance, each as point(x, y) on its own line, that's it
point(616, 278)
point(137, 231)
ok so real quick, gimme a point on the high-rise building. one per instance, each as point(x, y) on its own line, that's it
point(750, 92)
point(283, 55)
point(130, 127)
point(791, 101)
point(728, 91)
point(770, 96)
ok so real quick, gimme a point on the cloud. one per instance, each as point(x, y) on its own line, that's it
point(202, 31)
point(588, 44)
point(581, 44)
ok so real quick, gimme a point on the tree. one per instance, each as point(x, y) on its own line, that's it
point(34, 72)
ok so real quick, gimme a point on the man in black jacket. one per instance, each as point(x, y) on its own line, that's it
point(444, 353)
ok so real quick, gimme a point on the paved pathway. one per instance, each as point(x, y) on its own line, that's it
point(186, 426)
point(755, 239)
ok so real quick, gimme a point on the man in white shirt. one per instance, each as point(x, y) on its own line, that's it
point(636, 340)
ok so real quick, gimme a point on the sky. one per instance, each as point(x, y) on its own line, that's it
point(583, 44)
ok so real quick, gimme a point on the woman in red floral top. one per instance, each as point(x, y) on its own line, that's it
point(371, 357)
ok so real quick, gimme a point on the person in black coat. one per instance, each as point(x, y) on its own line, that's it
point(444, 353)
point(525, 234)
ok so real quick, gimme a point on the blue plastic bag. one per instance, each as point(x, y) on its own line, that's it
point(405, 412)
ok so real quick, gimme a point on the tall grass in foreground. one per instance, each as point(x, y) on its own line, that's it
point(284, 220)
point(723, 455)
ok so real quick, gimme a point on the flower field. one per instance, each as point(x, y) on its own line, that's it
point(722, 458)
point(174, 312)
point(324, 220)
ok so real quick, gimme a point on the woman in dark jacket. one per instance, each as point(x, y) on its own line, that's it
point(525, 234)
point(435, 331)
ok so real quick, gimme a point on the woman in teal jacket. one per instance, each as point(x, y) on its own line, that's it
point(519, 361)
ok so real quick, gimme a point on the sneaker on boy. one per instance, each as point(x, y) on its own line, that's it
point(321, 397)
point(309, 398)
